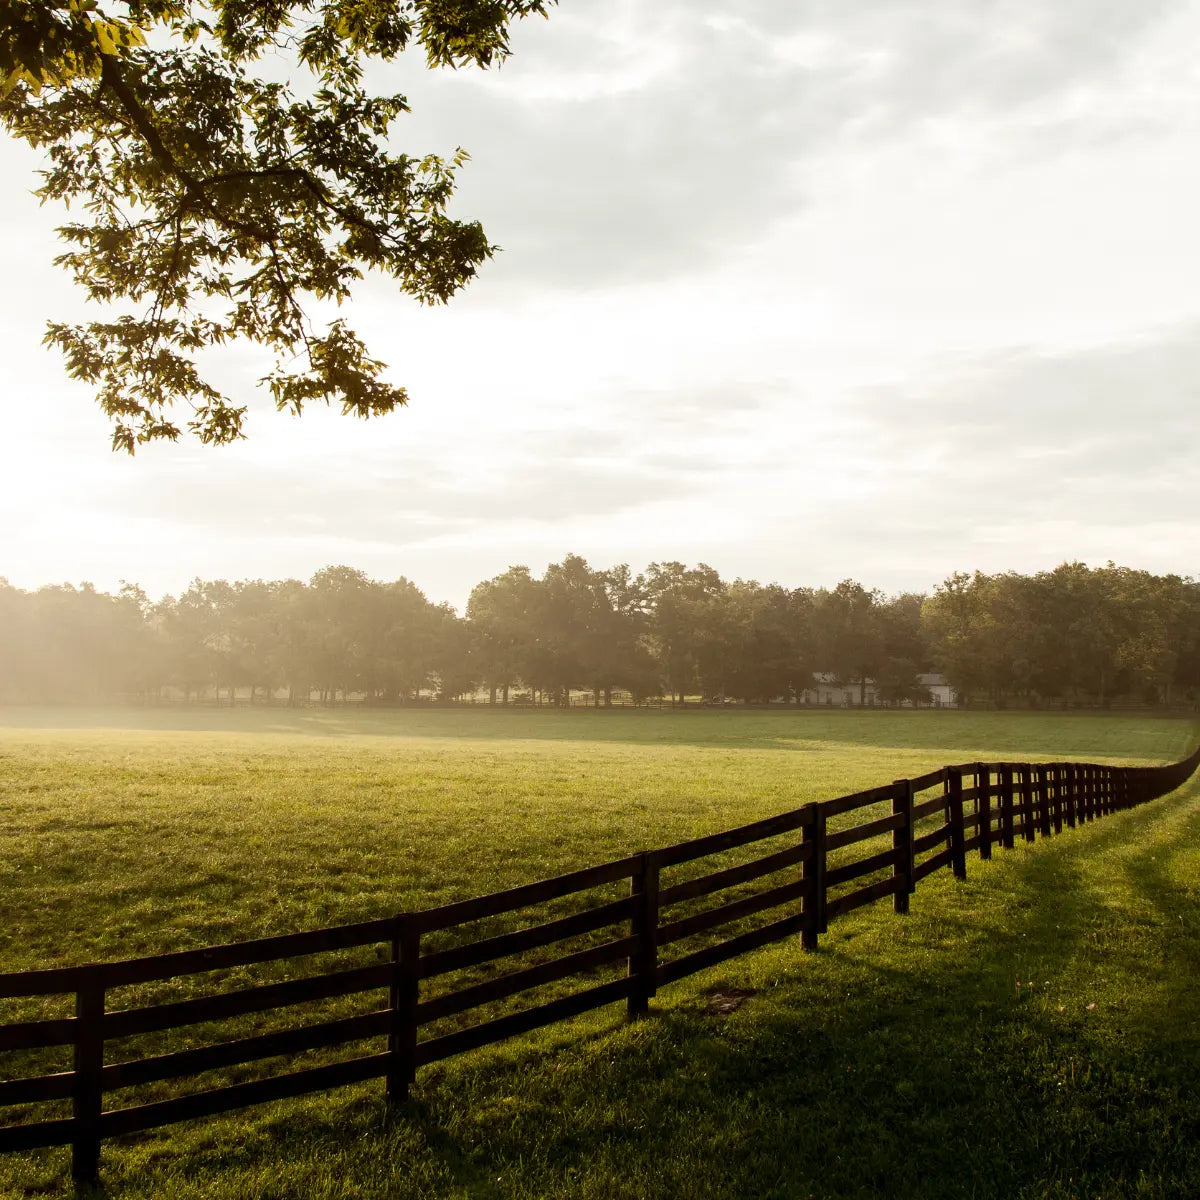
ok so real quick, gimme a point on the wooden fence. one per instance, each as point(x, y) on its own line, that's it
point(647, 934)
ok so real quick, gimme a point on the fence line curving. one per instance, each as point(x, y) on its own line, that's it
point(818, 865)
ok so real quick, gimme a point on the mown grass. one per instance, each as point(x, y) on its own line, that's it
point(949, 1053)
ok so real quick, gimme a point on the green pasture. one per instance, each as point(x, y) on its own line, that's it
point(1032, 1032)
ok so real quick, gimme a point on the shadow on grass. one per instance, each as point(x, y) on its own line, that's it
point(1033, 1033)
point(946, 1075)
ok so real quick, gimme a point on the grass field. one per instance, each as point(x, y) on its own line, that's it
point(1030, 1033)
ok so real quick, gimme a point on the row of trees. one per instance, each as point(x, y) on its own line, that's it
point(1073, 633)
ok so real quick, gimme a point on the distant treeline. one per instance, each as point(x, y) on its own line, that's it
point(1069, 635)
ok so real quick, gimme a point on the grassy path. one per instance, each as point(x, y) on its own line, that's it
point(1034, 1032)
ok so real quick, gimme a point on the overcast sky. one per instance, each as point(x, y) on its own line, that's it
point(883, 290)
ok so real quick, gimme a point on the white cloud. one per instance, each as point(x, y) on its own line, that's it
point(763, 277)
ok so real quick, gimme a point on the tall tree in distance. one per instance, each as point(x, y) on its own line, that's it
point(954, 619)
point(566, 639)
point(502, 612)
point(624, 630)
point(848, 633)
point(191, 627)
point(775, 657)
point(341, 614)
point(681, 598)
point(454, 653)
point(904, 656)
point(219, 205)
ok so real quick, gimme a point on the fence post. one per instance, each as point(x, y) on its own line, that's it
point(1027, 820)
point(1070, 793)
point(902, 844)
point(87, 1096)
point(405, 993)
point(1014, 774)
point(1006, 806)
point(1043, 799)
point(954, 818)
point(643, 925)
point(983, 806)
point(814, 878)
point(1056, 770)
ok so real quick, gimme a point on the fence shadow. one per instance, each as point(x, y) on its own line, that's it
point(940, 1080)
point(928, 1075)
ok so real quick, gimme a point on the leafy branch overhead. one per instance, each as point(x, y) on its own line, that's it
point(218, 204)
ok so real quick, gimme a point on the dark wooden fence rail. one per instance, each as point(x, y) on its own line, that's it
point(816, 868)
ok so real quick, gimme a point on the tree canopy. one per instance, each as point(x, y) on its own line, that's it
point(218, 205)
point(1061, 637)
